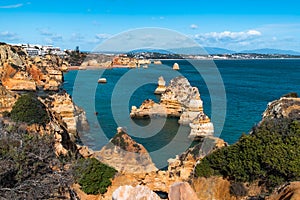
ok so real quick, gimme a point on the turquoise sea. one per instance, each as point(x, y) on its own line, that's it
point(249, 86)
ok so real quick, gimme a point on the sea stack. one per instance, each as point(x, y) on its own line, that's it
point(176, 66)
point(161, 88)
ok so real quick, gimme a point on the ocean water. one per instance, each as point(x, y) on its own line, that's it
point(249, 86)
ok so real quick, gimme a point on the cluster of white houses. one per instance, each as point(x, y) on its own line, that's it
point(41, 50)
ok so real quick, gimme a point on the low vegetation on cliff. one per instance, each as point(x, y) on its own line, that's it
point(29, 168)
point(269, 155)
point(93, 176)
point(30, 110)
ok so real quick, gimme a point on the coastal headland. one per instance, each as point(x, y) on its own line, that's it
point(205, 171)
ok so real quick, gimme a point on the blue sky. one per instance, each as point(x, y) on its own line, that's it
point(232, 24)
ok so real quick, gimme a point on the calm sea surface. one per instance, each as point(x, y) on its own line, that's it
point(249, 86)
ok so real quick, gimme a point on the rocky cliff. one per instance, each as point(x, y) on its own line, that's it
point(62, 108)
point(7, 99)
point(21, 72)
point(180, 169)
point(126, 155)
point(285, 107)
point(180, 100)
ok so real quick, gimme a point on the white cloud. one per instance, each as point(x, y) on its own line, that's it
point(193, 26)
point(12, 6)
point(228, 36)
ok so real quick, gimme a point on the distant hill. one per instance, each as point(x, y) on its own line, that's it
point(272, 51)
point(201, 50)
point(197, 50)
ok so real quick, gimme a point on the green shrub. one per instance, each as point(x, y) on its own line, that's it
point(93, 176)
point(270, 154)
point(30, 110)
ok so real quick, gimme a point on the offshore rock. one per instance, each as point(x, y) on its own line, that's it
point(161, 88)
point(180, 100)
point(176, 66)
point(126, 155)
point(182, 191)
point(139, 192)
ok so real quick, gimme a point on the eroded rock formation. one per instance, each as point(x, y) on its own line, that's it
point(61, 106)
point(20, 72)
point(7, 99)
point(285, 107)
point(126, 155)
point(180, 100)
point(290, 191)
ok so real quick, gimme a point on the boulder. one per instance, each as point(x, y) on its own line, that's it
point(182, 191)
point(127, 192)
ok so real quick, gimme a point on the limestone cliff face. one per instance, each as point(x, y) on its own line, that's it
point(180, 169)
point(180, 100)
point(20, 72)
point(62, 108)
point(7, 99)
point(125, 155)
point(285, 107)
point(290, 191)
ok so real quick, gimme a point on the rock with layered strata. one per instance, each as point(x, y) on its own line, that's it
point(182, 191)
point(67, 113)
point(126, 155)
point(201, 126)
point(7, 99)
point(290, 191)
point(180, 100)
point(285, 107)
point(21, 72)
point(216, 188)
point(161, 88)
point(183, 165)
point(139, 192)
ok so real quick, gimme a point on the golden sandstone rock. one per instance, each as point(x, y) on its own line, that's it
point(180, 100)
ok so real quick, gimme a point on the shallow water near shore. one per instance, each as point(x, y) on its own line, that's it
point(249, 85)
